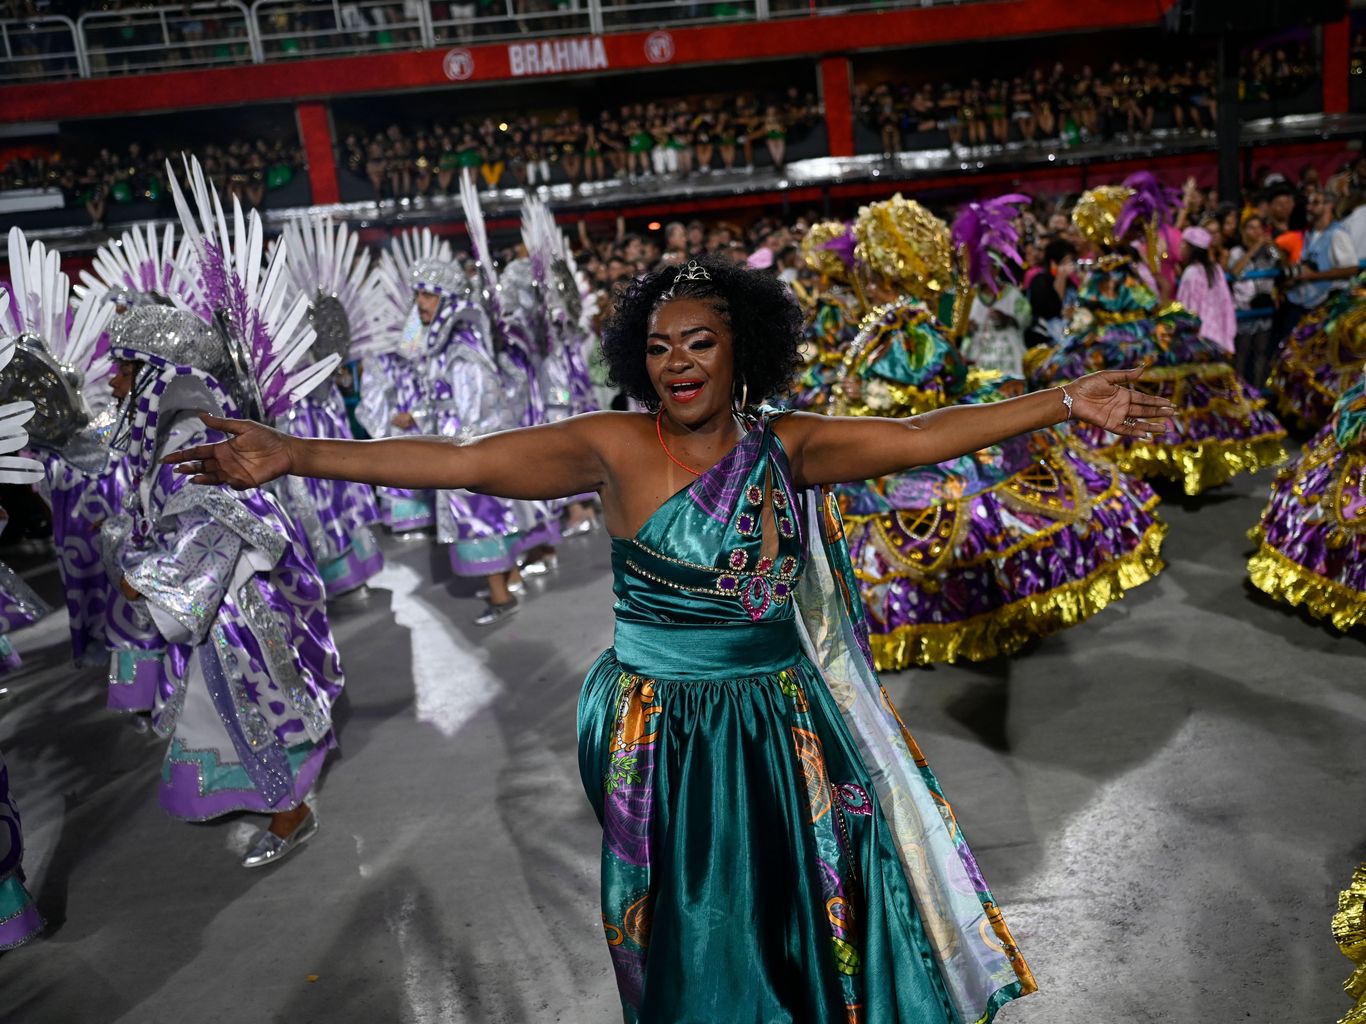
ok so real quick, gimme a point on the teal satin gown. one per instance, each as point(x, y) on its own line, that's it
point(774, 847)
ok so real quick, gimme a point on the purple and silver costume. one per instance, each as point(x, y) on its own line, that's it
point(334, 515)
point(389, 385)
point(225, 578)
point(19, 607)
point(19, 917)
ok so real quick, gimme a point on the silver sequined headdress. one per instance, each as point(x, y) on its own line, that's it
point(175, 337)
point(57, 366)
point(15, 468)
point(440, 277)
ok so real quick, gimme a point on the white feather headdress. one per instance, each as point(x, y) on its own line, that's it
point(479, 237)
point(328, 268)
point(145, 264)
point(268, 334)
point(64, 358)
point(392, 294)
point(15, 469)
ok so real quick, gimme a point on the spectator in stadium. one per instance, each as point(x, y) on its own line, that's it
point(1203, 289)
point(1053, 293)
point(1255, 252)
point(1327, 260)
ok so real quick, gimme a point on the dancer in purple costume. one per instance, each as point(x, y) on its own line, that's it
point(391, 365)
point(1311, 542)
point(561, 324)
point(335, 517)
point(975, 557)
point(464, 397)
point(1222, 426)
point(86, 482)
point(225, 577)
point(1322, 358)
point(60, 362)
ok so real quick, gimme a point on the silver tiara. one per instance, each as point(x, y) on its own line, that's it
point(693, 271)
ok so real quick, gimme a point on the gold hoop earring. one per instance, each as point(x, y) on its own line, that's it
point(744, 395)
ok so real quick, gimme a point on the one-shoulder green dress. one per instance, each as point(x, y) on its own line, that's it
point(774, 847)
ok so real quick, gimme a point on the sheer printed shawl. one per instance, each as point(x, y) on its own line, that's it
point(980, 964)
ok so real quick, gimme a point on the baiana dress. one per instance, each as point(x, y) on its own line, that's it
point(1311, 542)
point(974, 557)
point(774, 847)
point(1221, 424)
point(1322, 358)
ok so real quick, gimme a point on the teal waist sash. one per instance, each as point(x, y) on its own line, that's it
point(685, 650)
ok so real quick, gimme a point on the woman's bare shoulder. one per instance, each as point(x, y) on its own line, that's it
point(612, 434)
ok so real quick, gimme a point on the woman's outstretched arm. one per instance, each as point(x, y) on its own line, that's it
point(840, 449)
point(550, 461)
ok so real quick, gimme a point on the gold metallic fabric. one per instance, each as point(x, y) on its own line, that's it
point(906, 246)
point(1097, 211)
point(1008, 629)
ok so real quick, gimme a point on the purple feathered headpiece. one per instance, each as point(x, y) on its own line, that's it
point(986, 234)
point(843, 246)
point(1152, 203)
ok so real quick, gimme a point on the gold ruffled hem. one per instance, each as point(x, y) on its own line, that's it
point(1199, 464)
point(1007, 629)
point(1286, 580)
point(1349, 932)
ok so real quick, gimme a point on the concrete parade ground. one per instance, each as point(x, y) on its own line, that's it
point(1165, 801)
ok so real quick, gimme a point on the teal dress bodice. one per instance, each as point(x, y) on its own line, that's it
point(700, 558)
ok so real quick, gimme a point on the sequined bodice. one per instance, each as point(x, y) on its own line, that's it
point(700, 558)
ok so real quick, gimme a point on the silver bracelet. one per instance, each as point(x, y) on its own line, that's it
point(1066, 399)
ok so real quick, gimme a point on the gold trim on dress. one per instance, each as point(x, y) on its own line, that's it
point(1286, 580)
point(1349, 932)
point(1198, 464)
point(1005, 630)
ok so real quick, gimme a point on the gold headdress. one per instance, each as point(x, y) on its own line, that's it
point(821, 259)
point(1097, 211)
point(902, 242)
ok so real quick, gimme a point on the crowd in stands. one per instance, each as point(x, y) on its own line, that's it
point(675, 138)
point(135, 174)
point(1071, 106)
point(1267, 261)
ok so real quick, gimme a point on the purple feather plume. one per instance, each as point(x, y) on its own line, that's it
point(986, 232)
point(1151, 202)
point(225, 290)
point(844, 246)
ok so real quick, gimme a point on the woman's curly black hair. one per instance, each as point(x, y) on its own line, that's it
point(764, 318)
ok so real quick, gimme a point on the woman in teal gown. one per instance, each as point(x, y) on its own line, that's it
point(775, 848)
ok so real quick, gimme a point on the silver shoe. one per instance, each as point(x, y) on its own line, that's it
point(541, 566)
point(513, 588)
point(498, 612)
point(271, 848)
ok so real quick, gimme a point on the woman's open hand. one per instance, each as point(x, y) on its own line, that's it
point(253, 455)
point(1105, 400)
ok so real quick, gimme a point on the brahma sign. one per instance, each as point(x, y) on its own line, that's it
point(557, 57)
